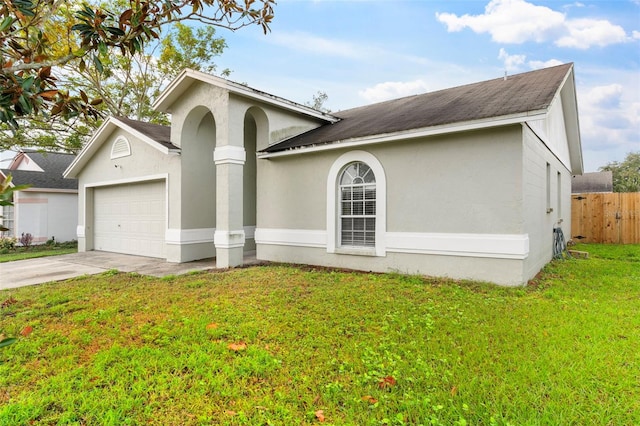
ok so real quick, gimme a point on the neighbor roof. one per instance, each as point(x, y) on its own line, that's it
point(53, 164)
point(515, 95)
point(592, 182)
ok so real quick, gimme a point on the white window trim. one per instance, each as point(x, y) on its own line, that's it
point(120, 139)
point(332, 203)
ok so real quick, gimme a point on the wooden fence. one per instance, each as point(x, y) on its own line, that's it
point(611, 218)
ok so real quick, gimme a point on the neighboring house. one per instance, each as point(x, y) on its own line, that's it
point(467, 182)
point(592, 182)
point(49, 207)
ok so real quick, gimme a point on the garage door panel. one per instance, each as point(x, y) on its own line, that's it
point(131, 219)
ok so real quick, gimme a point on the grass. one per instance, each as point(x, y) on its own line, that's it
point(42, 250)
point(282, 345)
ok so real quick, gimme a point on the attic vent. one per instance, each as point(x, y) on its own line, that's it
point(120, 148)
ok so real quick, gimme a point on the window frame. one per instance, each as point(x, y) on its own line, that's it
point(358, 208)
point(334, 205)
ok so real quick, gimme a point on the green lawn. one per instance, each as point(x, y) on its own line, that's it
point(282, 345)
point(21, 253)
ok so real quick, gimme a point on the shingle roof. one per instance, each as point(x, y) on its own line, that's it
point(53, 164)
point(592, 182)
point(156, 132)
point(519, 93)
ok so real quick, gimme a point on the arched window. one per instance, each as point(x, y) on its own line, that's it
point(357, 206)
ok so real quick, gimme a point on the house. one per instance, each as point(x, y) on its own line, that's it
point(467, 182)
point(592, 182)
point(48, 208)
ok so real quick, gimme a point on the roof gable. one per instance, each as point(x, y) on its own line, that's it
point(52, 164)
point(187, 77)
point(518, 97)
point(155, 135)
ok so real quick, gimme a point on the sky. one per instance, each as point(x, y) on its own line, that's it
point(360, 52)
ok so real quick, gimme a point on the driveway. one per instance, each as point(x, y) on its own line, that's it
point(54, 268)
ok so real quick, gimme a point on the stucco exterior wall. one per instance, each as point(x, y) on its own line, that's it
point(442, 194)
point(144, 163)
point(45, 214)
point(547, 200)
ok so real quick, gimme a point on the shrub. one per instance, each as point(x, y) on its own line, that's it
point(8, 243)
point(26, 240)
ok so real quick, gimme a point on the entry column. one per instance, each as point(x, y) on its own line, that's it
point(229, 235)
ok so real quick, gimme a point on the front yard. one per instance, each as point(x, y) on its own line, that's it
point(284, 345)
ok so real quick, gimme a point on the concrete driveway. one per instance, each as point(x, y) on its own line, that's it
point(54, 268)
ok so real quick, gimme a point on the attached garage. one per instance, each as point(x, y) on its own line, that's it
point(131, 218)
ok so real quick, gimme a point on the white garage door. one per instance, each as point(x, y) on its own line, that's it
point(130, 218)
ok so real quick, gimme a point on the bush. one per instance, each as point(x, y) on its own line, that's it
point(8, 243)
point(26, 240)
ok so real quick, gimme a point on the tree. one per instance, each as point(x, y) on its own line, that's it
point(39, 37)
point(318, 102)
point(626, 175)
point(127, 87)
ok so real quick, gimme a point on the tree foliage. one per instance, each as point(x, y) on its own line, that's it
point(626, 175)
point(318, 101)
point(38, 37)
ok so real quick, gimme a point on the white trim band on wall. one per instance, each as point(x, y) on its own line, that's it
point(229, 154)
point(500, 246)
point(189, 236)
point(229, 239)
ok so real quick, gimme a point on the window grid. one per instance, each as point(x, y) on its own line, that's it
point(357, 206)
point(7, 221)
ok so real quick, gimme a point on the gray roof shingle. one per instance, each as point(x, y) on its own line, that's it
point(53, 164)
point(157, 132)
point(519, 93)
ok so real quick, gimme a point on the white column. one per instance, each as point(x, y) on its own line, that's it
point(229, 235)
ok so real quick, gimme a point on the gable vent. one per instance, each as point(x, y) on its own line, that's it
point(120, 148)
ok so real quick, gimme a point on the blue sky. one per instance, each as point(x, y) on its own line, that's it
point(360, 52)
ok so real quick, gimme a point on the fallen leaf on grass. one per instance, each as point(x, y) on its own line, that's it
point(454, 391)
point(320, 416)
point(230, 413)
point(386, 382)
point(212, 326)
point(369, 399)
point(26, 331)
point(10, 301)
point(237, 346)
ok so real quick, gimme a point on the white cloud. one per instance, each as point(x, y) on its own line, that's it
point(317, 45)
point(609, 122)
point(508, 21)
point(518, 21)
point(511, 62)
point(536, 65)
point(635, 35)
point(392, 90)
point(584, 33)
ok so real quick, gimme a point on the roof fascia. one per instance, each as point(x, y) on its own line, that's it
point(572, 121)
point(412, 134)
point(188, 76)
point(100, 137)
